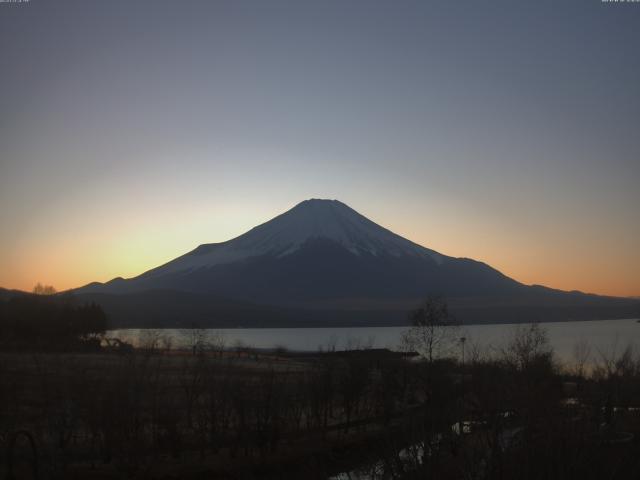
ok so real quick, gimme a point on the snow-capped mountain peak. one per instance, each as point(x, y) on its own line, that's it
point(324, 260)
point(285, 234)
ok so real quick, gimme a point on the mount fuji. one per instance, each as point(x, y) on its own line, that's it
point(323, 263)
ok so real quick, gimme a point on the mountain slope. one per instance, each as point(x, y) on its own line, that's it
point(318, 250)
point(323, 255)
point(286, 234)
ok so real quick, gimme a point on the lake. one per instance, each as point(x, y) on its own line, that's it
point(602, 336)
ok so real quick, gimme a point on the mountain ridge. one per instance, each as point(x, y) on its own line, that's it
point(321, 254)
point(285, 233)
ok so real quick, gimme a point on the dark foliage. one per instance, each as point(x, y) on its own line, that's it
point(39, 322)
point(145, 415)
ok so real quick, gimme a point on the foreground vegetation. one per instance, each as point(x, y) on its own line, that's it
point(47, 322)
point(222, 413)
point(76, 405)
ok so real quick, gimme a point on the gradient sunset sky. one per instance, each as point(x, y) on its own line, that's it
point(508, 132)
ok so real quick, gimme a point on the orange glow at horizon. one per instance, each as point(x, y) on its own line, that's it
point(128, 251)
point(461, 129)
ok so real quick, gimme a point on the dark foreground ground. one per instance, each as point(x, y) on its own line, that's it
point(235, 415)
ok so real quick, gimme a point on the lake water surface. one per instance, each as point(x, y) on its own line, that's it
point(602, 337)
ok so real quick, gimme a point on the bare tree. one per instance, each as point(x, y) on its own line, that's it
point(41, 289)
point(434, 330)
point(475, 352)
point(615, 363)
point(332, 342)
point(149, 340)
point(217, 342)
point(528, 344)
point(166, 342)
point(581, 356)
point(196, 338)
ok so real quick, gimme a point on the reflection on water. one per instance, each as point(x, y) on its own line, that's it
point(602, 337)
point(409, 459)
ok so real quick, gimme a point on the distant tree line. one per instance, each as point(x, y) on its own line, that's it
point(48, 322)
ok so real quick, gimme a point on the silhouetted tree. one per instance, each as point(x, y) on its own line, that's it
point(433, 330)
point(41, 289)
point(52, 323)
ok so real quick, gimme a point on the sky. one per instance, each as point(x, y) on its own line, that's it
point(507, 132)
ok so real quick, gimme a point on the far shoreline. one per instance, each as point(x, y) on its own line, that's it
point(403, 325)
